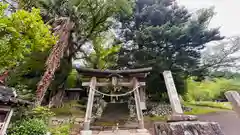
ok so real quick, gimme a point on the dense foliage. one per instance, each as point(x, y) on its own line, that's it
point(156, 33)
point(166, 36)
point(90, 19)
point(28, 127)
point(30, 121)
point(159, 33)
point(23, 113)
point(104, 54)
point(61, 130)
point(42, 113)
point(82, 21)
point(22, 33)
point(26, 75)
point(211, 89)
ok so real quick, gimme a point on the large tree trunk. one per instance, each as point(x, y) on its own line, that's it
point(58, 85)
point(63, 30)
point(56, 100)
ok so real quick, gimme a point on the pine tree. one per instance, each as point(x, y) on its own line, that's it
point(166, 36)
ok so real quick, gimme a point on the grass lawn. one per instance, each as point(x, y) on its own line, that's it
point(155, 118)
point(197, 110)
point(218, 105)
point(205, 107)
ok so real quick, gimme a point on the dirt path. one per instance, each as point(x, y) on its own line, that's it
point(228, 121)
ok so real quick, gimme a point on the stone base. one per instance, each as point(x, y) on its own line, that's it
point(122, 132)
point(181, 117)
point(188, 128)
point(86, 132)
point(142, 131)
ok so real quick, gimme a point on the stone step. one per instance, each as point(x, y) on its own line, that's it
point(122, 132)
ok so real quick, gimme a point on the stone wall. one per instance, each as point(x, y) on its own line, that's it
point(160, 109)
point(132, 108)
point(98, 106)
point(153, 109)
point(187, 128)
point(54, 121)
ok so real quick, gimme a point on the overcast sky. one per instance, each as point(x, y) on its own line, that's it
point(227, 14)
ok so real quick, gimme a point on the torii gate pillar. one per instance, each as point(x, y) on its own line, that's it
point(88, 115)
point(137, 102)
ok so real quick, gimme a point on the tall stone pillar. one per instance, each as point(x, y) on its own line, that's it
point(172, 93)
point(234, 98)
point(180, 124)
point(88, 115)
point(137, 101)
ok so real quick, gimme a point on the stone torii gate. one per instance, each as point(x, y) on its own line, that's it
point(132, 78)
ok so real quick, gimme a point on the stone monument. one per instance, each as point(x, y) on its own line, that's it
point(177, 111)
point(178, 123)
point(234, 98)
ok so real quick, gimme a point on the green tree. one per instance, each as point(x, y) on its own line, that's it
point(166, 36)
point(104, 54)
point(76, 22)
point(21, 33)
point(27, 74)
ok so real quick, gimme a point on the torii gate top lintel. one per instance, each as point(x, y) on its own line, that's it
point(138, 73)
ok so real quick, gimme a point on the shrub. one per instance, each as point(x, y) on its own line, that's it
point(60, 130)
point(21, 112)
point(28, 127)
point(72, 108)
point(42, 113)
point(209, 90)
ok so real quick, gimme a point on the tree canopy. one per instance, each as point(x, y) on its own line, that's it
point(75, 22)
point(103, 54)
point(22, 32)
point(156, 33)
point(166, 36)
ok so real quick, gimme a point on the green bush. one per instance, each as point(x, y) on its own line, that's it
point(60, 130)
point(28, 127)
point(42, 113)
point(70, 108)
point(209, 90)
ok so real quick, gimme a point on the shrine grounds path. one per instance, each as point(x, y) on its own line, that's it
point(228, 120)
